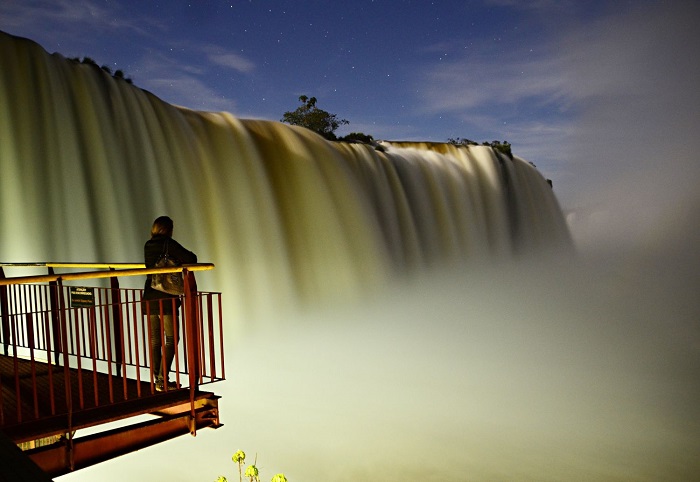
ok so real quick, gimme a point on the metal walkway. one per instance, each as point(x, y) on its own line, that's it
point(76, 356)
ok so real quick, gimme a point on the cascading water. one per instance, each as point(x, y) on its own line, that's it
point(88, 161)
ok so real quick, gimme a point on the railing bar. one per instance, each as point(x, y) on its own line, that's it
point(102, 274)
point(185, 344)
point(108, 335)
point(85, 339)
point(176, 333)
point(32, 364)
point(93, 347)
point(32, 308)
point(11, 314)
point(210, 327)
point(99, 339)
point(221, 337)
point(22, 318)
point(33, 334)
point(199, 319)
point(18, 314)
point(117, 341)
point(55, 306)
point(70, 344)
point(136, 352)
point(18, 394)
point(4, 323)
point(130, 342)
point(61, 264)
point(203, 347)
point(63, 330)
point(27, 308)
point(151, 373)
point(37, 296)
point(52, 397)
point(123, 360)
point(77, 316)
point(161, 333)
point(146, 345)
point(2, 404)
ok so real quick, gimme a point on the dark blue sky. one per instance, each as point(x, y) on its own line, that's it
point(526, 71)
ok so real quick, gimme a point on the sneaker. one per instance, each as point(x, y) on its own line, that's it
point(160, 386)
point(173, 386)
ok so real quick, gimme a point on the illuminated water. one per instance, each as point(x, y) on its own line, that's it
point(89, 161)
point(435, 341)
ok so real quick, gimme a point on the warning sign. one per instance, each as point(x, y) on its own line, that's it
point(81, 297)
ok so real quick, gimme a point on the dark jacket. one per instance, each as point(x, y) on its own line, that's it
point(152, 250)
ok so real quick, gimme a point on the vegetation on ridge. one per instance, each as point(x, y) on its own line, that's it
point(310, 116)
point(117, 74)
point(503, 147)
point(324, 123)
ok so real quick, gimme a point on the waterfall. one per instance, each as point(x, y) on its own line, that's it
point(87, 161)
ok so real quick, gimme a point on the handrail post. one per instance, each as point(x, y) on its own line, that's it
point(55, 319)
point(66, 368)
point(5, 315)
point(191, 328)
point(116, 322)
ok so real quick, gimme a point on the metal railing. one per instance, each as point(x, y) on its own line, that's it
point(67, 347)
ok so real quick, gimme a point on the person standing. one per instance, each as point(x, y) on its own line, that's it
point(163, 308)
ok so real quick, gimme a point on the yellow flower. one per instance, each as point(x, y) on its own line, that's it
point(239, 457)
point(251, 471)
point(279, 478)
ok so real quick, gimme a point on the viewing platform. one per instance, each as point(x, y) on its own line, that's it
point(75, 356)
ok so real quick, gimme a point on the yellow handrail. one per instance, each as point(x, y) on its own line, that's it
point(97, 274)
point(57, 264)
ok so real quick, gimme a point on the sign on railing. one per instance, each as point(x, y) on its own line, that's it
point(82, 297)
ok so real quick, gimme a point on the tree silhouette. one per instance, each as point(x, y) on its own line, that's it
point(502, 147)
point(310, 116)
point(119, 74)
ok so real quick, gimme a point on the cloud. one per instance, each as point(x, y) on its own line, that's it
point(232, 61)
point(489, 76)
point(60, 10)
point(180, 83)
point(615, 99)
point(85, 17)
point(633, 157)
point(186, 82)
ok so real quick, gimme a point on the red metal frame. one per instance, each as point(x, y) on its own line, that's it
point(62, 364)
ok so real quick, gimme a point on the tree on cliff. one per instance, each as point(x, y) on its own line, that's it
point(503, 147)
point(119, 74)
point(310, 116)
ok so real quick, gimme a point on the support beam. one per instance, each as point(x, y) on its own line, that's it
point(69, 455)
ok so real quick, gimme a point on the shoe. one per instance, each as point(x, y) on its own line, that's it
point(160, 386)
point(173, 386)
